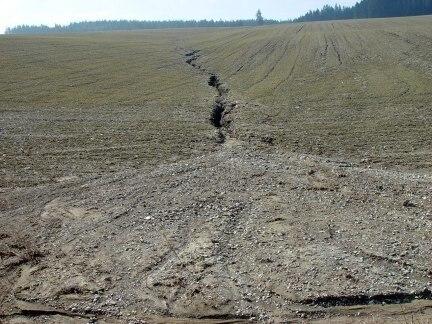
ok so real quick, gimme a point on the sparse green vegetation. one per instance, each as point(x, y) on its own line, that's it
point(75, 104)
point(86, 104)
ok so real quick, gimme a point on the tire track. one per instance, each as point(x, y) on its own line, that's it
point(276, 63)
point(291, 71)
point(338, 55)
point(250, 58)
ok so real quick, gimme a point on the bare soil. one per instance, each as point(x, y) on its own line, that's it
point(209, 200)
point(240, 233)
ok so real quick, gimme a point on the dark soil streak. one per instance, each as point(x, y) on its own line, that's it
point(393, 298)
point(46, 311)
point(300, 29)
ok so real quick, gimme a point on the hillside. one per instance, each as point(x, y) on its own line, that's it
point(280, 173)
point(356, 89)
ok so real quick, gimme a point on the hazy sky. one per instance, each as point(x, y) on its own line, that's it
point(49, 12)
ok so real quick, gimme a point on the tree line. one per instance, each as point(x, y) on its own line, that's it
point(362, 9)
point(110, 25)
point(370, 9)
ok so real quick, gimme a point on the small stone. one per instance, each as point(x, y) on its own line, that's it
point(408, 204)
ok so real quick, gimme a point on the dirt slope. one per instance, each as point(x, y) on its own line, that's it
point(207, 199)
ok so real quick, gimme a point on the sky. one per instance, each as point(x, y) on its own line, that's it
point(50, 12)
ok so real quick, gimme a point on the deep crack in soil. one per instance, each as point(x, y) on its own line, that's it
point(221, 106)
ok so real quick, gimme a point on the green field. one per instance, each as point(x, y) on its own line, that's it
point(97, 102)
point(120, 200)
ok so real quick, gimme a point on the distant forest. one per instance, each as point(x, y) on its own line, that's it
point(109, 25)
point(370, 9)
point(362, 9)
